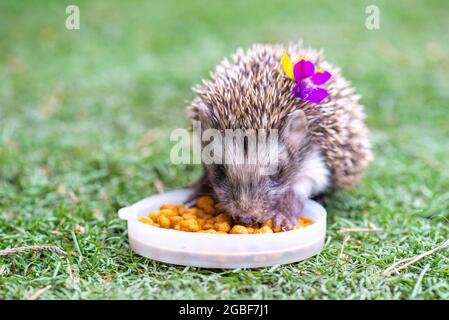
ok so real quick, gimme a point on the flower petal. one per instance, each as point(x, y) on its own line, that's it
point(307, 91)
point(317, 95)
point(296, 91)
point(320, 77)
point(302, 89)
point(303, 69)
point(287, 65)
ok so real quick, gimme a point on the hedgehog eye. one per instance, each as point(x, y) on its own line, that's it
point(275, 184)
point(219, 171)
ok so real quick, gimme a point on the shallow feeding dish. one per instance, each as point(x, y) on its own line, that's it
point(221, 250)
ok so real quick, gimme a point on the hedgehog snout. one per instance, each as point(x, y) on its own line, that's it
point(247, 220)
point(250, 213)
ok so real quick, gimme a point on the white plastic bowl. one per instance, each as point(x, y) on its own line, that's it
point(221, 250)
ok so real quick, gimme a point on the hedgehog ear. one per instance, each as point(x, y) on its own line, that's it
point(296, 128)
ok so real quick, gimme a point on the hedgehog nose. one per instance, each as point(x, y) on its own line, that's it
point(246, 219)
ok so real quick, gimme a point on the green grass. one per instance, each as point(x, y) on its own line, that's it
point(91, 110)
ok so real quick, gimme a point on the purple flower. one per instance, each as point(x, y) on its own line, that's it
point(307, 81)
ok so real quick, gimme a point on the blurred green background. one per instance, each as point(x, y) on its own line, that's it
point(85, 117)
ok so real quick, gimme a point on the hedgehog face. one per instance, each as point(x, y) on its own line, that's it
point(255, 186)
point(251, 197)
point(255, 178)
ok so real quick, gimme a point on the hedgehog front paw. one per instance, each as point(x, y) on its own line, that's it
point(285, 221)
point(287, 216)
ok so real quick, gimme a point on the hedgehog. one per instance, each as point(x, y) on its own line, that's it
point(322, 147)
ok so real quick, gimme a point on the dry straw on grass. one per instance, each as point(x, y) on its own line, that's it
point(358, 230)
point(404, 263)
point(9, 251)
point(38, 293)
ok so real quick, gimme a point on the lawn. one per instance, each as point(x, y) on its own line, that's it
point(85, 118)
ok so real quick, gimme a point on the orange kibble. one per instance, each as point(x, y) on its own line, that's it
point(189, 225)
point(239, 229)
point(222, 226)
point(164, 221)
point(171, 207)
point(210, 210)
point(146, 220)
point(188, 216)
point(154, 215)
point(201, 222)
point(306, 221)
point(191, 210)
point(168, 212)
point(201, 214)
point(268, 223)
point(208, 231)
point(222, 217)
point(205, 201)
point(211, 220)
point(209, 217)
point(208, 225)
point(181, 210)
point(251, 229)
point(175, 219)
point(265, 229)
